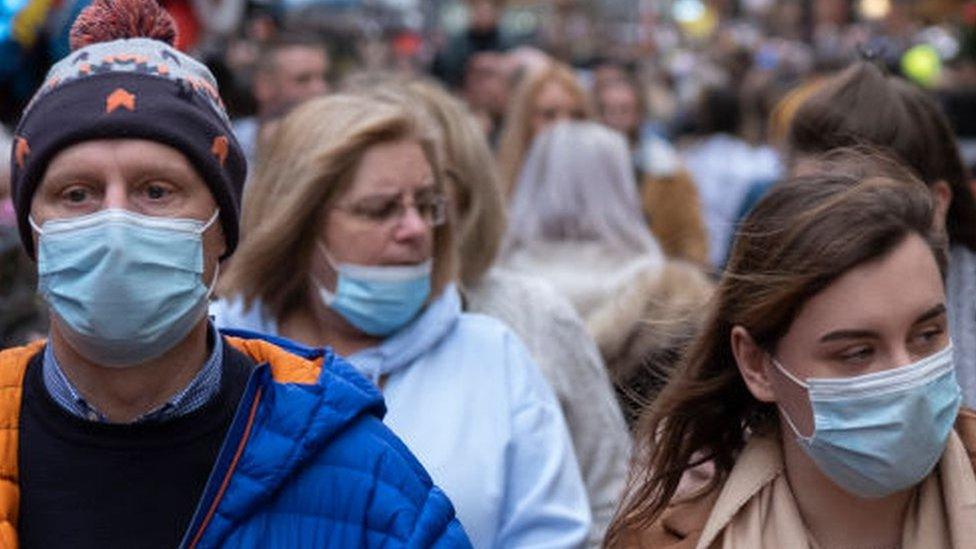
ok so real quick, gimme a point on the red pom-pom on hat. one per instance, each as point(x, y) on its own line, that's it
point(107, 20)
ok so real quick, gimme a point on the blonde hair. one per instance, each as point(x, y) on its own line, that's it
point(309, 164)
point(516, 137)
point(469, 167)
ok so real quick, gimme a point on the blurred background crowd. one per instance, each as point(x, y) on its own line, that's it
point(632, 231)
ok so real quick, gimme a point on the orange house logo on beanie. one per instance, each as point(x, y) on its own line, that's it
point(125, 79)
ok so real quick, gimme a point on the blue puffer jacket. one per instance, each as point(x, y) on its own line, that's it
point(308, 463)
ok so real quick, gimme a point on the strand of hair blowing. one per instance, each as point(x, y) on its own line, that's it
point(698, 418)
point(107, 20)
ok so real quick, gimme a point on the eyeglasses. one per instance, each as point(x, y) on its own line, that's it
point(382, 210)
point(552, 114)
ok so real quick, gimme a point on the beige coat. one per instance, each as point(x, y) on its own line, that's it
point(700, 522)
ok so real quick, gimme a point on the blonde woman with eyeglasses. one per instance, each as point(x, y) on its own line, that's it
point(348, 244)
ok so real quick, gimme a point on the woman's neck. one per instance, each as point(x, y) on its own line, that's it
point(325, 327)
point(835, 518)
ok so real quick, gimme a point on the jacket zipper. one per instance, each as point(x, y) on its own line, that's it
point(230, 470)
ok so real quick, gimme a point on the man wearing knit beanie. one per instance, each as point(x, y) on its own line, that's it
point(137, 423)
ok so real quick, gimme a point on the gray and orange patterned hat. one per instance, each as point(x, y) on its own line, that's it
point(124, 79)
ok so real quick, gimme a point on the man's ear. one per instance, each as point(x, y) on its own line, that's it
point(753, 364)
point(215, 246)
point(942, 193)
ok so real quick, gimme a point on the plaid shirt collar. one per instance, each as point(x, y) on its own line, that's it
point(200, 390)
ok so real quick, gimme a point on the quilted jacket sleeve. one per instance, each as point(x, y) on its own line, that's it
point(436, 526)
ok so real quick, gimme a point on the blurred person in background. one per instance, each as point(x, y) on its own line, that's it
point(483, 33)
point(543, 319)
point(821, 389)
point(863, 105)
point(542, 98)
point(22, 314)
point(668, 195)
point(778, 127)
point(643, 331)
point(291, 69)
point(349, 243)
point(486, 90)
point(575, 217)
point(723, 166)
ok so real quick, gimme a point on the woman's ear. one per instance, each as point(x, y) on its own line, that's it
point(942, 193)
point(753, 364)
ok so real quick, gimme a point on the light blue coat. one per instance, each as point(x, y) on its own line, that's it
point(465, 397)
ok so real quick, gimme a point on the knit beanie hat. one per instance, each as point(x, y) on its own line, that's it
point(124, 79)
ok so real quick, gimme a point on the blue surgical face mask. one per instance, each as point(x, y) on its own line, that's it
point(126, 287)
point(378, 300)
point(880, 433)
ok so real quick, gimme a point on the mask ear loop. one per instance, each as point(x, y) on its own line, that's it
point(328, 295)
point(210, 221)
point(786, 415)
point(34, 226)
point(213, 283)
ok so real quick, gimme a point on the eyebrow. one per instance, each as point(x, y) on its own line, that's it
point(934, 312)
point(427, 187)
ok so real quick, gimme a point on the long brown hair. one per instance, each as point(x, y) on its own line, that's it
point(861, 105)
point(800, 238)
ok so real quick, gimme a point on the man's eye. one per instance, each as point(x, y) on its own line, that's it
point(76, 194)
point(157, 192)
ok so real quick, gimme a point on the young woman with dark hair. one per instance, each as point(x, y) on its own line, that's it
point(820, 395)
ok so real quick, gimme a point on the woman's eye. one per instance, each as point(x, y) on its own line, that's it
point(379, 211)
point(857, 354)
point(930, 336)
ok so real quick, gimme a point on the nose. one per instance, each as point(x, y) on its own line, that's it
point(116, 196)
point(902, 357)
point(411, 225)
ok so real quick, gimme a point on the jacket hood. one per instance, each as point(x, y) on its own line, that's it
point(400, 349)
